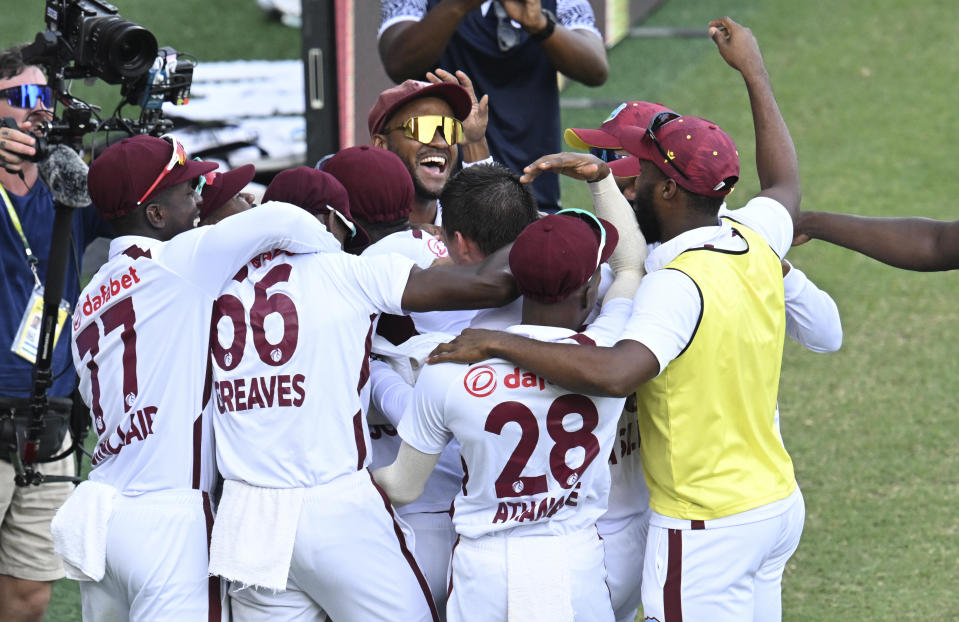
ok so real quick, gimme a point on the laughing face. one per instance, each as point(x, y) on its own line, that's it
point(430, 164)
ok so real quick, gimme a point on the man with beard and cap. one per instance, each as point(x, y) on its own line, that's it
point(28, 564)
point(424, 123)
point(223, 195)
point(812, 319)
point(135, 535)
point(301, 529)
point(704, 347)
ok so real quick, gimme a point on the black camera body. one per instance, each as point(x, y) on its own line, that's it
point(89, 39)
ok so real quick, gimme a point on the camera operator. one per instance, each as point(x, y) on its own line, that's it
point(28, 565)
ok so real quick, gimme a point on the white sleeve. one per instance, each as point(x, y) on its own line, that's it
point(210, 256)
point(768, 218)
point(812, 318)
point(396, 11)
point(628, 259)
point(422, 426)
point(390, 393)
point(607, 328)
point(379, 280)
point(576, 15)
point(666, 312)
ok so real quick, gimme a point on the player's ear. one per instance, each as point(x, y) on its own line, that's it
point(630, 191)
point(154, 214)
point(379, 140)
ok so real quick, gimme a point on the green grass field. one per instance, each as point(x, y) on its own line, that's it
point(866, 88)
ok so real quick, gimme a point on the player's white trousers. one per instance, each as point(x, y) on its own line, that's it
point(350, 560)
point(432, 548)
point(156, 564)
point(625, 550)
point(721, 574)
point(500, 578)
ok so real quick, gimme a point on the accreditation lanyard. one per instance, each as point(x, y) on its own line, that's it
point(32, 260)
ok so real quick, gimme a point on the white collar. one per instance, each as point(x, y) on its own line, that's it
point(541, 333)
point(123, 242)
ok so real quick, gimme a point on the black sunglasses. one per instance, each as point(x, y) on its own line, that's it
point(607, 155)
point(657, 123)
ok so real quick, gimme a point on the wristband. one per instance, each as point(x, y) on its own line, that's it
point(547, 30)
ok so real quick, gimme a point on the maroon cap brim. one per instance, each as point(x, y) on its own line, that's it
point(625, 167)
point(228, 184)
point(453, 94)
point(191, 170)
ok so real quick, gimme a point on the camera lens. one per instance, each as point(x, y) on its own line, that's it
point(117, 48)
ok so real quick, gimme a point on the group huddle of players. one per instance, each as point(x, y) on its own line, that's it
point(301, 361)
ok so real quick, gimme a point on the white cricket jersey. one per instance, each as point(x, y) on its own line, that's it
point(535, 454)
point(141, 333)
point(628, 494)
point(290, 358)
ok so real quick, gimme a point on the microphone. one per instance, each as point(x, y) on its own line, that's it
point(65, 173)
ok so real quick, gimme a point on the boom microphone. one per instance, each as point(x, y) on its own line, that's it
point(65, 173)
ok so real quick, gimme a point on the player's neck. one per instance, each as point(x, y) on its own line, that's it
point(12, 182)
point(565, 314)
point(423, 212)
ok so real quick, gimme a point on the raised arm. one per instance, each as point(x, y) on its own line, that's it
point(920, 244)
point(812, 317)
point(776, 161)
point(409, 49)
point(576, 53)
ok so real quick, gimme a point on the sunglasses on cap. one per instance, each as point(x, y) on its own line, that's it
point(590, 219)
point(655, 124)
point(607, 155)
point(343, 219)
point(203, 180)
point(423, 128)
point(27, 95)
point(177, 157)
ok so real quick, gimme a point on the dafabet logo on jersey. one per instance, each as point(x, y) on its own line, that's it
point(481, 381)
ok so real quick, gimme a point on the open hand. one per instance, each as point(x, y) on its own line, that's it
point(474, 127)
point(584, 166)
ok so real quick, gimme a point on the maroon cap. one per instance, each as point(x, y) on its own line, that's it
point(314, 190)
point(697, 147)
point(125, 170)
point(223, 187)
point(556, 255)
point(379, 184)
point(628, 114)
point(391, 99)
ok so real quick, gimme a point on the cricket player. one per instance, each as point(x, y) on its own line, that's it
point(136, 533)
point(533, 488)
point(302, 531)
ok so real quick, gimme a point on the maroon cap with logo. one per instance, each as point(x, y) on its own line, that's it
point(556, 255)
point(391, 99)
point(628, 114)
point(695, 146)
point(314, 191)
point(223, 187)
point(379, 184)
point(125, 170)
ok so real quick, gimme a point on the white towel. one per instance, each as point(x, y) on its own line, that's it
point(79, 530)
point(254, 533)
point(538, 578)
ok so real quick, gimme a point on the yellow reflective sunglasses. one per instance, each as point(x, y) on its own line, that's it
point(423, 128)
